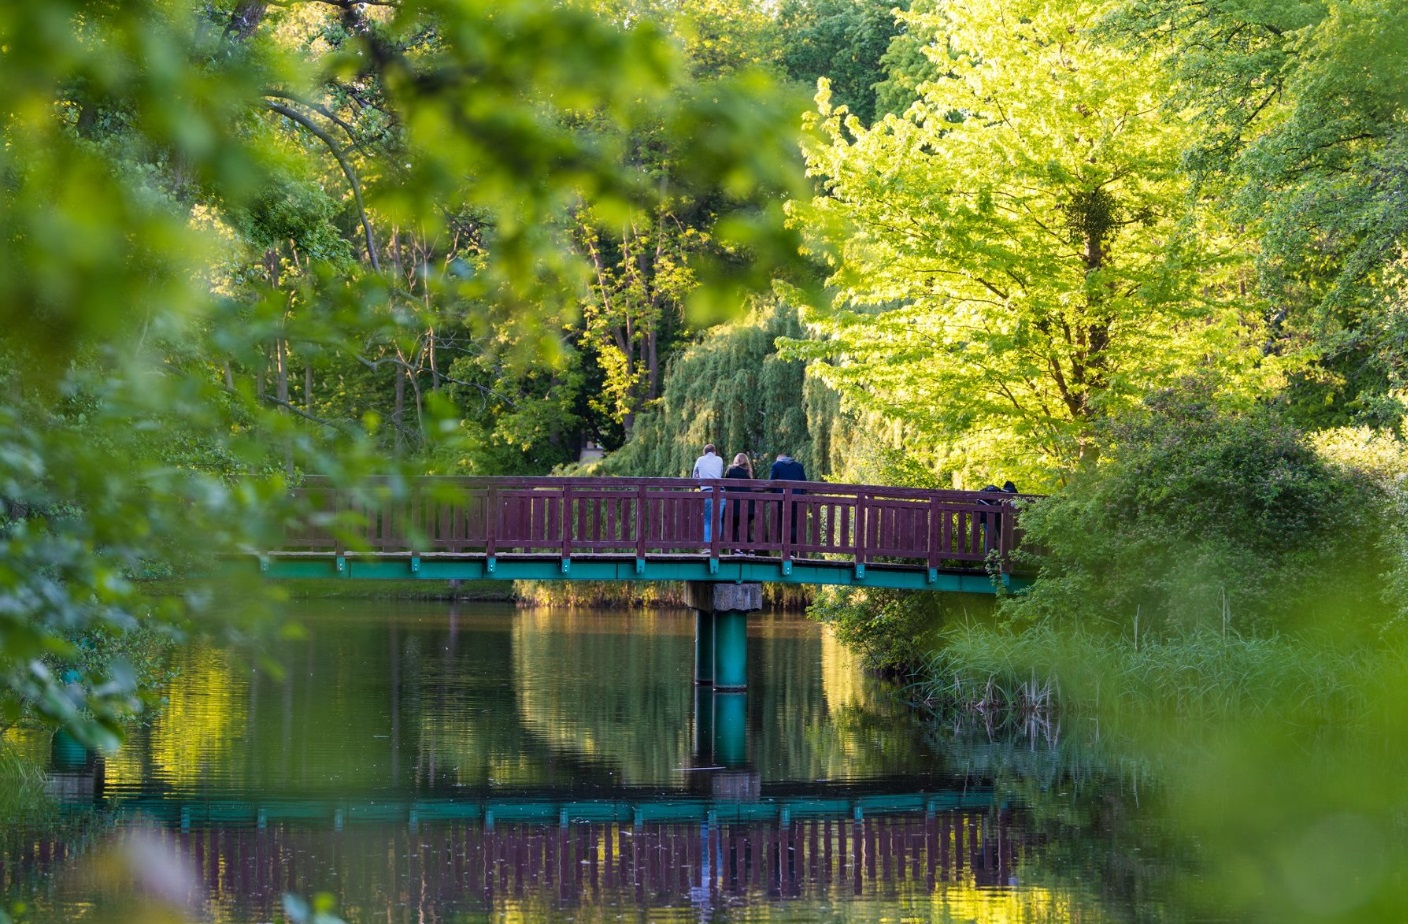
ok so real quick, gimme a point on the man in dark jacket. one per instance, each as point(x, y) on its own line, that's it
point(787, 468)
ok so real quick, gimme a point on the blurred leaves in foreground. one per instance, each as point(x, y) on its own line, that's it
point(219, 220)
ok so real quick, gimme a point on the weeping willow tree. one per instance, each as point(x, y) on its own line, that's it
point(733, 390)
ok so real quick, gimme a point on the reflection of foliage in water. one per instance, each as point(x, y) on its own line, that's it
point(1095, 813)
point(198, 726)
point(617, 687)
point(608, 686)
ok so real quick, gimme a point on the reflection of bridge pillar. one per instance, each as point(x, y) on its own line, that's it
point(703, 725)
point(67, 753)
point(703, 647)
point(75, 773)
point(727, 606)
point(731, 729)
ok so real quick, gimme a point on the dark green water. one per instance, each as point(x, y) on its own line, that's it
point(429, 763)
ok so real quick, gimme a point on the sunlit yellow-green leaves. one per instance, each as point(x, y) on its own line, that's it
point(1016, 257)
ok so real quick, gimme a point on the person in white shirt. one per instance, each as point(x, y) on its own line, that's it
point(709, 466)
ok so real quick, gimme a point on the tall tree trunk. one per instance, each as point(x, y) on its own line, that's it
point(652, 362)
point(281, 371)
point(400, 410)
point(245, 20)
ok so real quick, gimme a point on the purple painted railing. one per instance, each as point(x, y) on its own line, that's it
point(647, 517)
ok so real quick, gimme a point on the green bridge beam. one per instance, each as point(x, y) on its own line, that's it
point(337, 813)
point(735, 569)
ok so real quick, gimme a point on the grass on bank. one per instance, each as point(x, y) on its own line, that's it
point(1200, 675)
point(337, 589)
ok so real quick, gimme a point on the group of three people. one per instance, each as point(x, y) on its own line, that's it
point(710, 465)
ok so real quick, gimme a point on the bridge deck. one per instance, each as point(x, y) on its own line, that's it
point(652, 529)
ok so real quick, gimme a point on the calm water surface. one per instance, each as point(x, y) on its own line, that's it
point(475, 762)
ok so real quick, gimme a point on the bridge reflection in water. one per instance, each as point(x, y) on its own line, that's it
point(435, 871)
point(426, 766)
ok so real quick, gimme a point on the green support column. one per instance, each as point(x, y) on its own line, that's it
point(730, 650)
point(703, 647)
point(721, 630)
point(731, 729)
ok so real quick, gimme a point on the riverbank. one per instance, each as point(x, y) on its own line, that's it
point(1200, 676)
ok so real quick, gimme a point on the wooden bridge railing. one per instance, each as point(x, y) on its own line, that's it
point(643, 517)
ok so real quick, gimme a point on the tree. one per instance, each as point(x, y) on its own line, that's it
point(634, 313)
point(1300, 107)
point(843, 41)
point(1015, 259)
point(729, 388)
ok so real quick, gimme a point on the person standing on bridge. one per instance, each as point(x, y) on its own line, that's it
point(992, 522)
point(707, 468)
point(742, 467)
point(787, 468)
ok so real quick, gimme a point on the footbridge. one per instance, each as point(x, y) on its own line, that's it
point(651, 529)
point(724, 538)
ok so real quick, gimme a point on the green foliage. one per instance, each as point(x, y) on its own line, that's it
point(241, 238)
point(906, 65)
point(1301, 108)
point(730, 389)
point(1200, 517)
point(1382, 459)
point(1015, 259)
point(843, 41)
point(892, 631)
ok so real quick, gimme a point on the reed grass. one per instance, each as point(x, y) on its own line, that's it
point(1202, 674)
point(23, 797)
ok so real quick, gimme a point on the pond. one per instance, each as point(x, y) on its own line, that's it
point(429, 762)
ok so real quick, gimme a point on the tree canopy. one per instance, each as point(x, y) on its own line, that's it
point(1016, 256)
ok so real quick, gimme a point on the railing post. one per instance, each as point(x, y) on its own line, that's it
point(862, 533)
point(641, 519)
point(1005, 543)
point(716, 523)
point(336, 506)
point(785, 526)
point(935, 540)
point(491, 524)
point(567, 522)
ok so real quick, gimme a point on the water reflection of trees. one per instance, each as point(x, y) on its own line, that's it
point(419, 698)
point(1096, 813)
point(617, 687)
point(614, 687)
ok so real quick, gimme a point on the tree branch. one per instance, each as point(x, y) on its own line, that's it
point(325, 138)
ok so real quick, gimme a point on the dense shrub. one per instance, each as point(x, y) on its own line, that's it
point(1200, 517)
